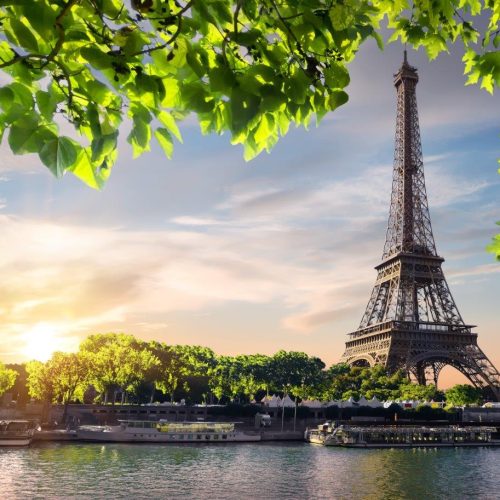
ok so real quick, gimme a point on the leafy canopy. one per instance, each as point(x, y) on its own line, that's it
point(7, 378)
point(462, 395)
point(244, 66)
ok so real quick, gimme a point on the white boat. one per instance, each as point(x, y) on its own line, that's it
point(145, 431)
point(353, 436)
point(324, 434)
point(16, 432)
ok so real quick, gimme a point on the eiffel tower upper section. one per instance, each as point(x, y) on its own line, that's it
point(423, 296)
point(409, 229)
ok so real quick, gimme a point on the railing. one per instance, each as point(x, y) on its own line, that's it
point(412, 325)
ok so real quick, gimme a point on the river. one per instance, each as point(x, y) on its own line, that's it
point(246, 471)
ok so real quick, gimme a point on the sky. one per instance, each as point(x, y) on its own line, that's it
point(277, 253)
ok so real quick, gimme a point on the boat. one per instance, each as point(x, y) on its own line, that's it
point(351, 436)
point(146, 431)
point(321, 435)
point(16, 432)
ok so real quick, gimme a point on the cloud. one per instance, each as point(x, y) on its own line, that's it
point(479, 272)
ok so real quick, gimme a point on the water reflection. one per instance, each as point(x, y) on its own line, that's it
point(244, 471)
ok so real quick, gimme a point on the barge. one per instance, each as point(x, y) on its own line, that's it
point(145, 431)
point(351, 436)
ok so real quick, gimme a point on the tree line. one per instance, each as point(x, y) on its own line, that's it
point(116, 367)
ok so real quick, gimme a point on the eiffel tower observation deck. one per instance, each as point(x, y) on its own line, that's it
point(411, 321)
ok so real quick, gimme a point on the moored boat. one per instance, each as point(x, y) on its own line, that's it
point(351, 436)
point(320, 435)
point(16, 432)
point(145, 431)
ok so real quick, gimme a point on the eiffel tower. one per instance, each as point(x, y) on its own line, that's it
point(411, 321)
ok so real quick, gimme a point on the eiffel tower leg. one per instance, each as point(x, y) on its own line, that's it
point(434, 371)
point(475, 365)
point(420, 373)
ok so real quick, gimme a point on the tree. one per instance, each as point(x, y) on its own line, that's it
point(117, 362)
point(69, 372)
point(19, 389)
point(344, 382)
point(224, 378)
point(40, 382)
point(296, 372)
point(172, 367)
point(418, 392)
point(462, 395)
point(7, 378)
point(253, 374)
point(247, 67)
point(62, 378)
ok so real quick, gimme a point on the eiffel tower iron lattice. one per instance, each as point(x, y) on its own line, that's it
point(411, 321)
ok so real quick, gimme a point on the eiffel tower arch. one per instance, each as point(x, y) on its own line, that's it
point(411, 321)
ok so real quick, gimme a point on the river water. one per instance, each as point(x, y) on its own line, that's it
point(246, 471)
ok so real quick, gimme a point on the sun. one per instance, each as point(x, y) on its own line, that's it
point(40, 342)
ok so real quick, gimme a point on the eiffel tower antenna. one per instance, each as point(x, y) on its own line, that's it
point(411, 321)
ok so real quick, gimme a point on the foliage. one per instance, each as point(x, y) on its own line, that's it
point(253, 375)
point(19, 389)
point(40, 382)
point(7, 378)
point(224, 378)
point(117, 361)
point(462, 395)
point(419, 392)
point(345, 382)
point(494, 247)
point(296, 372)
point(176, 363)
point(62, 378)
point(247, 67)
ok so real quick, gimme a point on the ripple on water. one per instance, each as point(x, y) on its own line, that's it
point(267, 470)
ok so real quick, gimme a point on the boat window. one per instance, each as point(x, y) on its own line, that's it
point(224, 436)
point(216, 436)
point(181, 436)
point(198, 436)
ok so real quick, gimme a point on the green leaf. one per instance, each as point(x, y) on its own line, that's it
point(378, 39)
point(297, 87)
point(264, 129)
point(58, 155)
point(272, 98)
point(337, 98)
point(193, 60)
point(249, 37)
point(96, 57)
point(6, 98)
point(140, 135)
point(103, 146)
point(21, 135)
point(222, 79)
point(24, 35)
point(99, 93)
point(47, 104)
point(93, 175)
point(336, 76)
point(165, 140)
point(168, 120)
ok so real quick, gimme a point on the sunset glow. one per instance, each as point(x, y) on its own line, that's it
point(40, 342)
